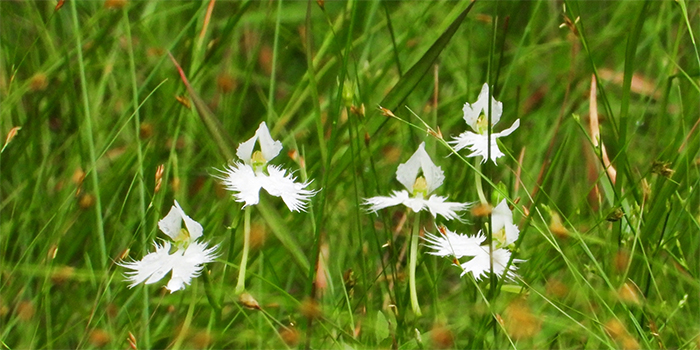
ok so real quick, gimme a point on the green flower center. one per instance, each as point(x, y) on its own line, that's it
point(482, 124)
point(258, 162)
point(420, 187)
point(182, 240)
point(500, 237)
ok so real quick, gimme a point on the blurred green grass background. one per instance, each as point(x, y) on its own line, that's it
point(101, 106)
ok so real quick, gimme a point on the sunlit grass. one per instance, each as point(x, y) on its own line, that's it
point(611, 239)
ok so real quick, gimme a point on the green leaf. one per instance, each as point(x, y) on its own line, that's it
point(381, 328)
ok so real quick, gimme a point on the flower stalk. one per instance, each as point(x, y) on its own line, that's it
point(413, 256)
point(240, 285)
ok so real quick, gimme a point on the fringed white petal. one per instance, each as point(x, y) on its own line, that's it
point(152, 268)
point(240, 179)
point(478, 145)
point(280, 184)
point(452, 244)
point(479, 265)
point(474, 110)
point(437, 205)
point(407, 172)
point(377, 203)
point(188, 264)
point(246, 184)
point(185, 264)
point(269, 147)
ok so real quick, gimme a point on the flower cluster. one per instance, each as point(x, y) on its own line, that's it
point(185, 257)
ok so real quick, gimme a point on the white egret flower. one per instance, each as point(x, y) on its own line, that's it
point(187, 260)
point(246, 177)
point(476, 115)
point(456, 246)
point(417, 195)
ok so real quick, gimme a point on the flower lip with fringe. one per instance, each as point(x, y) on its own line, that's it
point(185, 262)
point(476, 115)
point(246, 177)
point(456, 246)
point(417, 195)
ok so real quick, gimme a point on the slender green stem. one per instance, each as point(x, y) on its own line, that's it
point(145, 314)
point(479, 186)
point(88, 130)
point(413, 256)
point(240, 286)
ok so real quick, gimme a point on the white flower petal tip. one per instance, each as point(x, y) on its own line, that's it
point(245, 184)
point(268, 147)
point(185, 263)
point(419, 188)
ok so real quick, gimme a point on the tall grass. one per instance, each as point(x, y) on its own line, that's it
point(612, 258)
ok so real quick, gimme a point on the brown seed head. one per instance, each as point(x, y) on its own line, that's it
point(132, 341)
point(520, 322)
point(630, 294)
point(62, 274)
point(225, 83)
point(145, 130)
point(99, 338)
point(290, 336)
point(38, 82)
point(481, 209)
point(86, 201)
point(258, 235)
point(25, 310)
point(557, 227)
point(201, 339)
point(159, 177)
point(442, 337)
point(248, 301)
point(115, 4)
point(309, 308)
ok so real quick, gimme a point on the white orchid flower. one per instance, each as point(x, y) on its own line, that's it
point(186, 262)
point(456, 246)
point(246, 178)
point(476, 115)
point(417, 195)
